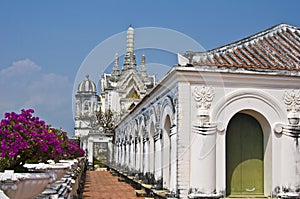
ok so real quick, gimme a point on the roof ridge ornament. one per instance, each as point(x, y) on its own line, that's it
point(143, 65)
point(116, 61)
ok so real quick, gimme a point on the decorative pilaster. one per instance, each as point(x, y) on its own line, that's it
point(292, 101)
point(137, 154)
point(122, 152)
point(203, 97)
point(203, 148)
point(117, 153)
point(158, 157)
point(173, 131)
point(157, 136)
point(132, 155)
point(145, 139)
point(173, 160)
point(146, 166)
point(290, 159)
point(127, 154)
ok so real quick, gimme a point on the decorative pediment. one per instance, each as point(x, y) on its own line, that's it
point(131, 80)
point(134, 95)
point(132, 92)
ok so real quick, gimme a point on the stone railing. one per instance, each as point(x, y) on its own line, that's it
point(70, 185)
point(23, 185)
point(60, 180)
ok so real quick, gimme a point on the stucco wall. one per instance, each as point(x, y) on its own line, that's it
point(258, 95)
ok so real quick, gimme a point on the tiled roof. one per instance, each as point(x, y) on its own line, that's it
point(277, 48)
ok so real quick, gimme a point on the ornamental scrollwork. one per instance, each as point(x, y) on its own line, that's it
point(292, 100)
point(203, 97)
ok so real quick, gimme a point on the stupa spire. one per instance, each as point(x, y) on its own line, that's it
point(143, 70)
point(130, 40)
point(116, 62)
point(129, 59)
point(143, 60)
point(115, 73)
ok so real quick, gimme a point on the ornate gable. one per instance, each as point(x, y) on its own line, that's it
point(134, 95)
point(130, 81)
point(124, 88)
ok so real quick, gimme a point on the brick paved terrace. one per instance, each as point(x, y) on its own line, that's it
point(102, 185)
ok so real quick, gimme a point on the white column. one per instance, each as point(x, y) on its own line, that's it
point(290, 157)
point(151, 153)
point(141, 155)
point(203, 159)
point(127, 154)
point(146, 155)
point(122, 153)
point(137, 154)
point(166, 160)
point(116, 156)
point(158, 156)
point(132, 154)
point(119, 160)
point(173, 160)
point(90, 150)
point(110, 152)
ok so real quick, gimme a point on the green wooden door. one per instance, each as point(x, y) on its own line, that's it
point(244, 156)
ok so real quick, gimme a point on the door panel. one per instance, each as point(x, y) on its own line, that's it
point(244, 156)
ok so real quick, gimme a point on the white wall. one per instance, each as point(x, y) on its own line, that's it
point(259, 95)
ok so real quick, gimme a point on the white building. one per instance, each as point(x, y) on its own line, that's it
point(120, 92)
point(123, 89)
point(224, 122)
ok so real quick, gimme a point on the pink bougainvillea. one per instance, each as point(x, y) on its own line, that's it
point(25, 137)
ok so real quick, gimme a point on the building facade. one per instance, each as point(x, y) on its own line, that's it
point(120, 91)
point(224, 122)
point(124, 88)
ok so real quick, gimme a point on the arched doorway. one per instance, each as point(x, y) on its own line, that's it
point(244, 156)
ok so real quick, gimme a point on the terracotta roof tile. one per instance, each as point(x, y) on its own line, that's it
point(277, 48)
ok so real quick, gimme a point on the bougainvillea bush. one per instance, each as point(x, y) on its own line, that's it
point(24, 137)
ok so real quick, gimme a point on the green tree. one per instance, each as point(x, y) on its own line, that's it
point(108, 120)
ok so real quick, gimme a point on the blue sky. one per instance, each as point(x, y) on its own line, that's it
point(44, 43)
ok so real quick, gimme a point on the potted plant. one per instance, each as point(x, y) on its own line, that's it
point(24, 138)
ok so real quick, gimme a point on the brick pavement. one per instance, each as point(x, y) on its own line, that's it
point(102, 185)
